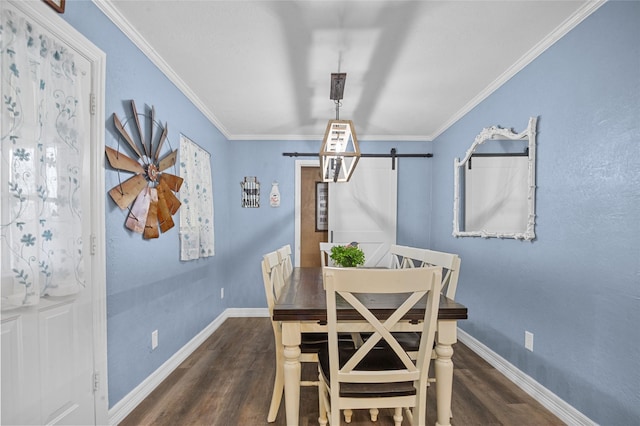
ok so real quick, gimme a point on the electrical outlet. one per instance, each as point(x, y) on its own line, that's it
point(154, 339)
point(222, 293)
point(528, 340)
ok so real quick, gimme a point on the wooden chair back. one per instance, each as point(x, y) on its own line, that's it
point(412, 257)
point(272, 278)
point(286, 266)
point(272, 267)
point(325, 253)
point(412, 285)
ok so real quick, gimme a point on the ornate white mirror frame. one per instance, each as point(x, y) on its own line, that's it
point(498, 133)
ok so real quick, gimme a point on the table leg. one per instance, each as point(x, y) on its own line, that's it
point(446, 336)
point(291, 343)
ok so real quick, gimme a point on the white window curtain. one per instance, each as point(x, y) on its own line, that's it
point(196, 195)
point(41, 165)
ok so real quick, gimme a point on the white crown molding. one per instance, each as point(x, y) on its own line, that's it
point(121, 22)
point(569, 24)
point(363, 138)
point(544, 396)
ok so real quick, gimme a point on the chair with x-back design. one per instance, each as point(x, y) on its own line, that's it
point(375, 375)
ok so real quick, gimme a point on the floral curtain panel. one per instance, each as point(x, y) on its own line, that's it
point(41, 166)
point(196, 195)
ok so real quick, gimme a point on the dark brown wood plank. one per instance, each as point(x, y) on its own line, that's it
point(303, 298)
point(228, 381)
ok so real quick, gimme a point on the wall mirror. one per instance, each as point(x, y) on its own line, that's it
point(495, 185)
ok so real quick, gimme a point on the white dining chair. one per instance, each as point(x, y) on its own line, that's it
point(310, 344)
point(377, 375)
point(325, 253)
point(284, 257)
point(413, 257)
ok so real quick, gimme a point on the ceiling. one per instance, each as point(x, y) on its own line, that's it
point(261, 70)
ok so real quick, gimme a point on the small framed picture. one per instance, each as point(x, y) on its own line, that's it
point(57, 5)
point(322, 204)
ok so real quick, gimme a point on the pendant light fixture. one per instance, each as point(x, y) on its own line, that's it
point(339, 152)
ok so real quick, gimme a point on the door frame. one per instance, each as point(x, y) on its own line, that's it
point(41, 14)
point(299, 164)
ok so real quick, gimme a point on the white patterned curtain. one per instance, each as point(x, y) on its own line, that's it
point(41, 165)
point(196, 195)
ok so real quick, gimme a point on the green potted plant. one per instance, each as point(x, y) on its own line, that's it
point(347, 256)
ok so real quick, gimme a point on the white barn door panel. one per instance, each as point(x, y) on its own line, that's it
point(364, 209)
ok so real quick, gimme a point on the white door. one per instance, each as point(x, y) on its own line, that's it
point(364, 209)
point(52, 352)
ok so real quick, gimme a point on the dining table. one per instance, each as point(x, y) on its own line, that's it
point(301, 308)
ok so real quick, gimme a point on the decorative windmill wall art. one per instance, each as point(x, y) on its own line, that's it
point(150, 191)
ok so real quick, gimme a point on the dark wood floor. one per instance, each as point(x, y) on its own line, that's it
point(228, 381)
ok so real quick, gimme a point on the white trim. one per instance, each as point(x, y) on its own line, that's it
point(548, 399)
point(569, 24)
point(129, 30)
point(297, 207)
point(106, 6)
point(544, 396)
point(126, 405)
point(61, 29)
point(247, 312)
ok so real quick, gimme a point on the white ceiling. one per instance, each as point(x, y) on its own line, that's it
point(260, 70)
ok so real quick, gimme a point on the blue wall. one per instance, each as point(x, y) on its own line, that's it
point(577, 286)
point(148, 288)
point(258, 231)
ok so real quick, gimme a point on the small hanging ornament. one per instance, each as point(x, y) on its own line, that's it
point(274, 196)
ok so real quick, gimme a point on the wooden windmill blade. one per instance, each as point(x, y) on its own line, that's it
point(173, 203)
point(172, 181)
point(140, 133)
point(138, 215)
point(151, 224)
point(121, 162)
point(164, 215)
point(163, 136)
point(124, 193)
point(125, 135)
point(168, 161)
point(153, 121)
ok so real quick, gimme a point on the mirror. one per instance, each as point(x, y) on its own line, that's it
point(495, 185)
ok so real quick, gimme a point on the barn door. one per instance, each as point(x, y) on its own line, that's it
point(364, 209)
point(51, 359)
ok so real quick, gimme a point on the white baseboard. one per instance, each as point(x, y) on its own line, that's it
point(544, 396)
point(548, 399)
point(126, 405)
point(247, 312)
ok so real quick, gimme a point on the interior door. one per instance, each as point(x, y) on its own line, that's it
point(310, 234)
point(364, 209)
point(48, 357)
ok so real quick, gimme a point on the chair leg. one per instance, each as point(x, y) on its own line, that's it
point(322, 418)
point(348, 413)
point(397, 416)
point(278, 389)
point(335, 416)
point(373, 413)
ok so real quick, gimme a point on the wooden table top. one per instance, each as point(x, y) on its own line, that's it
point(303, 299)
